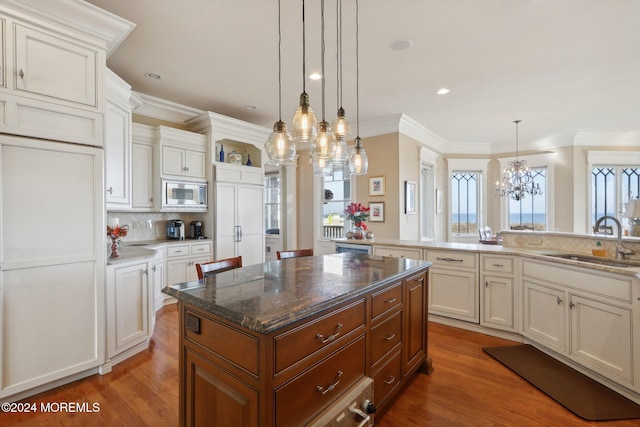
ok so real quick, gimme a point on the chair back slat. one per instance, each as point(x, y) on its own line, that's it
point(218, 266)
point(294, 253)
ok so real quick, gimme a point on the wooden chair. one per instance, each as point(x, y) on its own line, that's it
point(295, 253)
point(219, 266)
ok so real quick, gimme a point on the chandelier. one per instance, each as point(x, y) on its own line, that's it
point(517, 181)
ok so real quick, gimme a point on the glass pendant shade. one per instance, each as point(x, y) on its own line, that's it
point(280, 147)
point(322, 167)
point(324, 146)
point(341, 125)
point(358, 160)
point(304, 121)
point(342, 152)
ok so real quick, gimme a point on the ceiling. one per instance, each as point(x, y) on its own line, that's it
point(560, 66)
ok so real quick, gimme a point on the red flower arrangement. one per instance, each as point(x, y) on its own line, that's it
point(118, 231)
point(357, 213)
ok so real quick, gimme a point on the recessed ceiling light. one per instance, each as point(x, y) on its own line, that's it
point(153, 76)
point(401, 45)
point(443, 91)
point(249, 107)
point(315, 76)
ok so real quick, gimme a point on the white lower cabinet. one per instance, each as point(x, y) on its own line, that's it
point(182, 260)
point(585, 315)
point(453, 284)
point(129, 308)
point(498, 292)
point(158, 276)
point(412, 253)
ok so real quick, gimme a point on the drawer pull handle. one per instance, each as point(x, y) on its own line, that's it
point(449, 259)
point(330, 338)
point(331, 387)
point(389, 337)
point(421, 279)
point(192, 323)
point(391, 300)
point(390, 380)
point(498, 265)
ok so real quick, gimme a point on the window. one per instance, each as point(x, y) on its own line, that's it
point(530, 213)
point(611, 189)
point(272, 203)
point(465, 202)
point(337, 195)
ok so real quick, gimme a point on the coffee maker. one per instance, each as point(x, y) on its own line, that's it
point(196, 230)
point(175, 229)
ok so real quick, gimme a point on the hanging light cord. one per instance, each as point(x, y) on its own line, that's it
point(322, 51)
point(517, 151)
point(279, 64)
point(304, 52)
point(339, 54)
point(357, 72)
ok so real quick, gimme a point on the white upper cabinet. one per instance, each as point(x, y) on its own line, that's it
point(182, 153)
point(53, 67)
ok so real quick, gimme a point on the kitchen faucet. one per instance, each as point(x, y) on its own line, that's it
point(620, 250)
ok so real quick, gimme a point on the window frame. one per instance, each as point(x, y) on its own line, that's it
point(478, 166)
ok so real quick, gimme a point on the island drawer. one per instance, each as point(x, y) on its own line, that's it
point(386, 299)
point(385, 336)
point(453, 259)
point(387, 379)
point(296, 344)
point(297, 401)
point(236, 347)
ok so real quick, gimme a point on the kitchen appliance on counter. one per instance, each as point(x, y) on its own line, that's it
point(196, 230)
point(175, 229)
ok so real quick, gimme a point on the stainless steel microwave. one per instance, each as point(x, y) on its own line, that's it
point(177, 194)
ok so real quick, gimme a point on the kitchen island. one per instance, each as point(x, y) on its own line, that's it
point(277, 343)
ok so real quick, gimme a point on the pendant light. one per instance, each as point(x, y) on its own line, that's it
point(304, 119)
point(358, 160)
point(280, 147)
point(517, 182)
point(341, 124)
point(324, 146)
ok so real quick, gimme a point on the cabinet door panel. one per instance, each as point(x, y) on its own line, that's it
point(195, 164)
point(177, 271)
point(544, 315)
point(415, 337)
point(142, 176)
point(215, 398)
point(497, 301)
point(172, 161)
point(117, 147)
point(130, 298)
point(593, 324)
point(225, 235)
point(249, 207)
point(453, 294)
point(53, 67)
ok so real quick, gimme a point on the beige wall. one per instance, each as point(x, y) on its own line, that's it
point(409, 170)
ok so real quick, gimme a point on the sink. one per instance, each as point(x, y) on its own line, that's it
point(599, 260)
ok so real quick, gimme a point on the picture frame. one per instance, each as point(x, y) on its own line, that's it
point(376, 211)
point(376, 186)
point(409, 197)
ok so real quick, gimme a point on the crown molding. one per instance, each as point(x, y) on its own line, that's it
point(401, 123)
point(161, 109)
point(618, 139)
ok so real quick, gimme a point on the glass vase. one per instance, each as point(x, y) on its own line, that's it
point(358, 232)
point(114, 248)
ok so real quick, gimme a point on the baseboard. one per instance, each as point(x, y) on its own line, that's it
point(474, 327)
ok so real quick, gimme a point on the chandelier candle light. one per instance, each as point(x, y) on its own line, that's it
point(517, 182)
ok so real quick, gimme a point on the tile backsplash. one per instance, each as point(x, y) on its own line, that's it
point(139, 222)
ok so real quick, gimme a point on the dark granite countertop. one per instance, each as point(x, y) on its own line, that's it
point(269, 296)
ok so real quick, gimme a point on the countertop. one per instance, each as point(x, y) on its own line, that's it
point(266, 297)
point(131, 251)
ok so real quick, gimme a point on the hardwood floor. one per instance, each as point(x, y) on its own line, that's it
point(467, 388)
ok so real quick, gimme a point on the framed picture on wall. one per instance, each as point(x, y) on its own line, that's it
point(376, 186)
point(376, 212)
point(409, 197)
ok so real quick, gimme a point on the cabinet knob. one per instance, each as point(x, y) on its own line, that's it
point(559, 300)
point(110, 190)
point(21, 73)
point(571, 305)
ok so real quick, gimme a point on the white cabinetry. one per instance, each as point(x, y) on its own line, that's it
point(129, 308)
point(182, 259)
point(51, 281)
point(158, 276)
point(398, 252)
point(585, 315)
point(117, 143)
point(143, 180)
point(497, 291)
point(53, 77)
point(182, 153)
point(238, 193)
point(453, 284)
